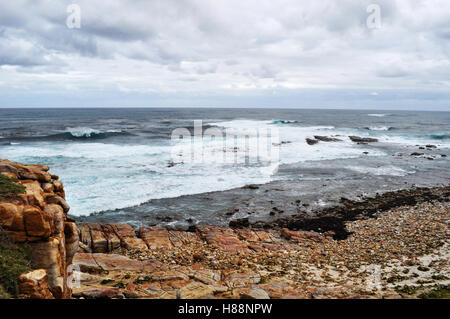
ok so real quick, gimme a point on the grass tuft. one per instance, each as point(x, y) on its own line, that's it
point(14, 261)
point(8, 186)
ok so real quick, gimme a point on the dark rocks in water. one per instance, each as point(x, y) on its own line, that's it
point(431, 146)
point(326, 138)
point(239, 223)
point(430, 158)
point(421, 148)
point(281, 143)
point(358, 139)
point(366, 153)
point(417, 154)
point(311, 141)
point(334, 218)
point(165, 218)
point(443, 155)
point(251, 186)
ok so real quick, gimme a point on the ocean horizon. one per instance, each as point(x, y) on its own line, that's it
point(116, 162)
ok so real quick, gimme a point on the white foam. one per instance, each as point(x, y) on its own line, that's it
point(82, 131)
point(377, 114)
point(102, 176)
point(388, 170)
point(379, 128)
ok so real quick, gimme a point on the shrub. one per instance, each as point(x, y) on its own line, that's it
point(9, 187)
point(14, 261)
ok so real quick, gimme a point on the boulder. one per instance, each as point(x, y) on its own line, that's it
point(311, 141)
point(255, 293)
point(33, 285)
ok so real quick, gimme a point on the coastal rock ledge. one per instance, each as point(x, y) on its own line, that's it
point(37, 217)
point(400, 250)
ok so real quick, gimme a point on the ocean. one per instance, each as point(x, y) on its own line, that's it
point(117, 165)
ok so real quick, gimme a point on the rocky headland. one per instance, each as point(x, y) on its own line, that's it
point(393, 245)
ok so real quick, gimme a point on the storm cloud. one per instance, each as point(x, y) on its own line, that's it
point(195, 52)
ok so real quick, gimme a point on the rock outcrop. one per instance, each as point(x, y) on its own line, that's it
point(38, 217)
point(362, 140)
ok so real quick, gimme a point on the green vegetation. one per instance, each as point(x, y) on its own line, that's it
point(8, 186)
point(440, 292)
point(4, 294)
point(107, 281)
point(14, 261)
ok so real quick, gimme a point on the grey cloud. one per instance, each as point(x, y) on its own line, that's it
point(307, 44)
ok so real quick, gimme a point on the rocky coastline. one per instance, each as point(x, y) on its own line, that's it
point(394, 245)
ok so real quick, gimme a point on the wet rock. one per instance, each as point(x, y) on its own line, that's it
point(311, 141)
point(239, 223)
point(358, 139)
point(326, 138)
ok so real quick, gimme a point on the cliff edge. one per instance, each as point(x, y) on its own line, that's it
point(34, 214)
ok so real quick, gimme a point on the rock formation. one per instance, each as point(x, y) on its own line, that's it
point(38, 217)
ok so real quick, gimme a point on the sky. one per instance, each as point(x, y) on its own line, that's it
point(377, 54)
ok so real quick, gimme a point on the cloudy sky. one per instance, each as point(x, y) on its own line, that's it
point(226, 53)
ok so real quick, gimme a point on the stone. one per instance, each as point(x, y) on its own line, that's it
point(99, 243)
point(300, 236)
point(358, 139)
point(50, 255)
point(55, 199)
point(155, 238)
point(11, 217)
point(128, 237)
point(326, 138)
point(36, 222)
point(194, 290)
point(113, 241)
point(86, 263)
point(57, 215)
point(311, 141)
point(111, 262)
point(255, 293)
point(237, 279)
point(34, 194)
point(100, 293)
point(33, 285)
point(222, 238)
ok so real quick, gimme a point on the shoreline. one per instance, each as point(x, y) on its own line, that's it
point(393, 249)
point(394, 245)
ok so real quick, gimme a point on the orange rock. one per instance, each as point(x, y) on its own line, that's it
point(155, 238)
point(55, 199)
point(34, 194)
point(128, 237)
point(33, 285)
point(11, 217)
point(37, 223)
point(300, 236)
point(222, 238)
